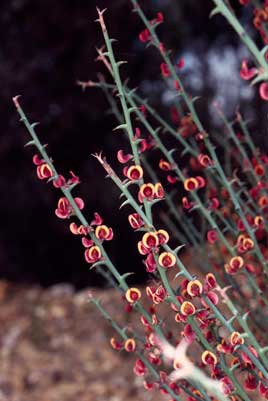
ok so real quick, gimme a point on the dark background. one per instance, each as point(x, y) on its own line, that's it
point(45, 47)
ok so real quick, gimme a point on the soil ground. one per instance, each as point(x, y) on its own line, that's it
point(54, 346)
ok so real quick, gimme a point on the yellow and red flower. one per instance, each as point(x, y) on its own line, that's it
point(167, 259)
point(133, 295)
point(164, 165)
point(134, 173)
point(187, 308)
point(157, 295)
point(139, 368)
point(135, 220)
point(103, 232)
point(204, 160)
point(159, 190)
point(44, 171)
point(236, 338)
point(65, 210)
point(147, 191)
point(163, 236)
point(78, 230)
point(115, 344)
point(210, 281)
point(209, 358)
point(212, 236)
point(191, 184)
point(235, 264)
point(150, 240)
point(194, 288)
point(93, 254)
point(130, 345)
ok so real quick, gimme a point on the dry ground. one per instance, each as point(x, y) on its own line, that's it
point(54, 346)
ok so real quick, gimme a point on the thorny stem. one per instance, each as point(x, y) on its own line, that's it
point(127, 125)
point(222, 8)
point(190, 104)
point(67, 193)
point(151, 369)
point(181, 176)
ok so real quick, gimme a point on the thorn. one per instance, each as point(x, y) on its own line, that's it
point(179, 274)
point(215, 11)
point(264, 350)
point(245, 316)
point(119, 63)
point(232, 319)
point(232, 368)
point(121, 126)
point(126, 202)
point(179, 248)
point(100, 262)
point(29, 143)
point(125, 275)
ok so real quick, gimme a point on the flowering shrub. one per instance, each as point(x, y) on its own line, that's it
point(222, 313)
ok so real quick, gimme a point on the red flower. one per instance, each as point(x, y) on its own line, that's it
point(133, 295)
point(115, 344)
point(164, 70)
point(44, 171)
point(167, 259)
point(209, 358)
point(92, 254)
point(37, 161)
point(191, 184)
point(74, 179)
point(65, 210)
point(145, 36)
point(150, 263)
point(86, 242)
point(194, 288)
point(159, 17)
point(180, 63)
point(135, 220)
point(103, 232)
point(147, 191)
point(130, 345)
point(211, 281)
point(139, 368)
point(157, 295)
point(163, 236)
point(59, 182)
point(247, 73)
point(171, 179)
point(212, 236)
point(123, 158)
point(235, 264)
point(236, 339)
point(251, 383)
point(204, 160)
point(164, 165)
point(187, 308)
point(81, 230)
point(263, 91)
point(134, 173)
point(189, 333)
point(97, 220)
point(150, 240)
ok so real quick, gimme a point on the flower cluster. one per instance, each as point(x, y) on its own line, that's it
point(218, 207)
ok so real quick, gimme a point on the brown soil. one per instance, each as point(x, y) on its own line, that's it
point(54, 346)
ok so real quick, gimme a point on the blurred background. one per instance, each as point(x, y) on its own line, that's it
point(45, 48)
